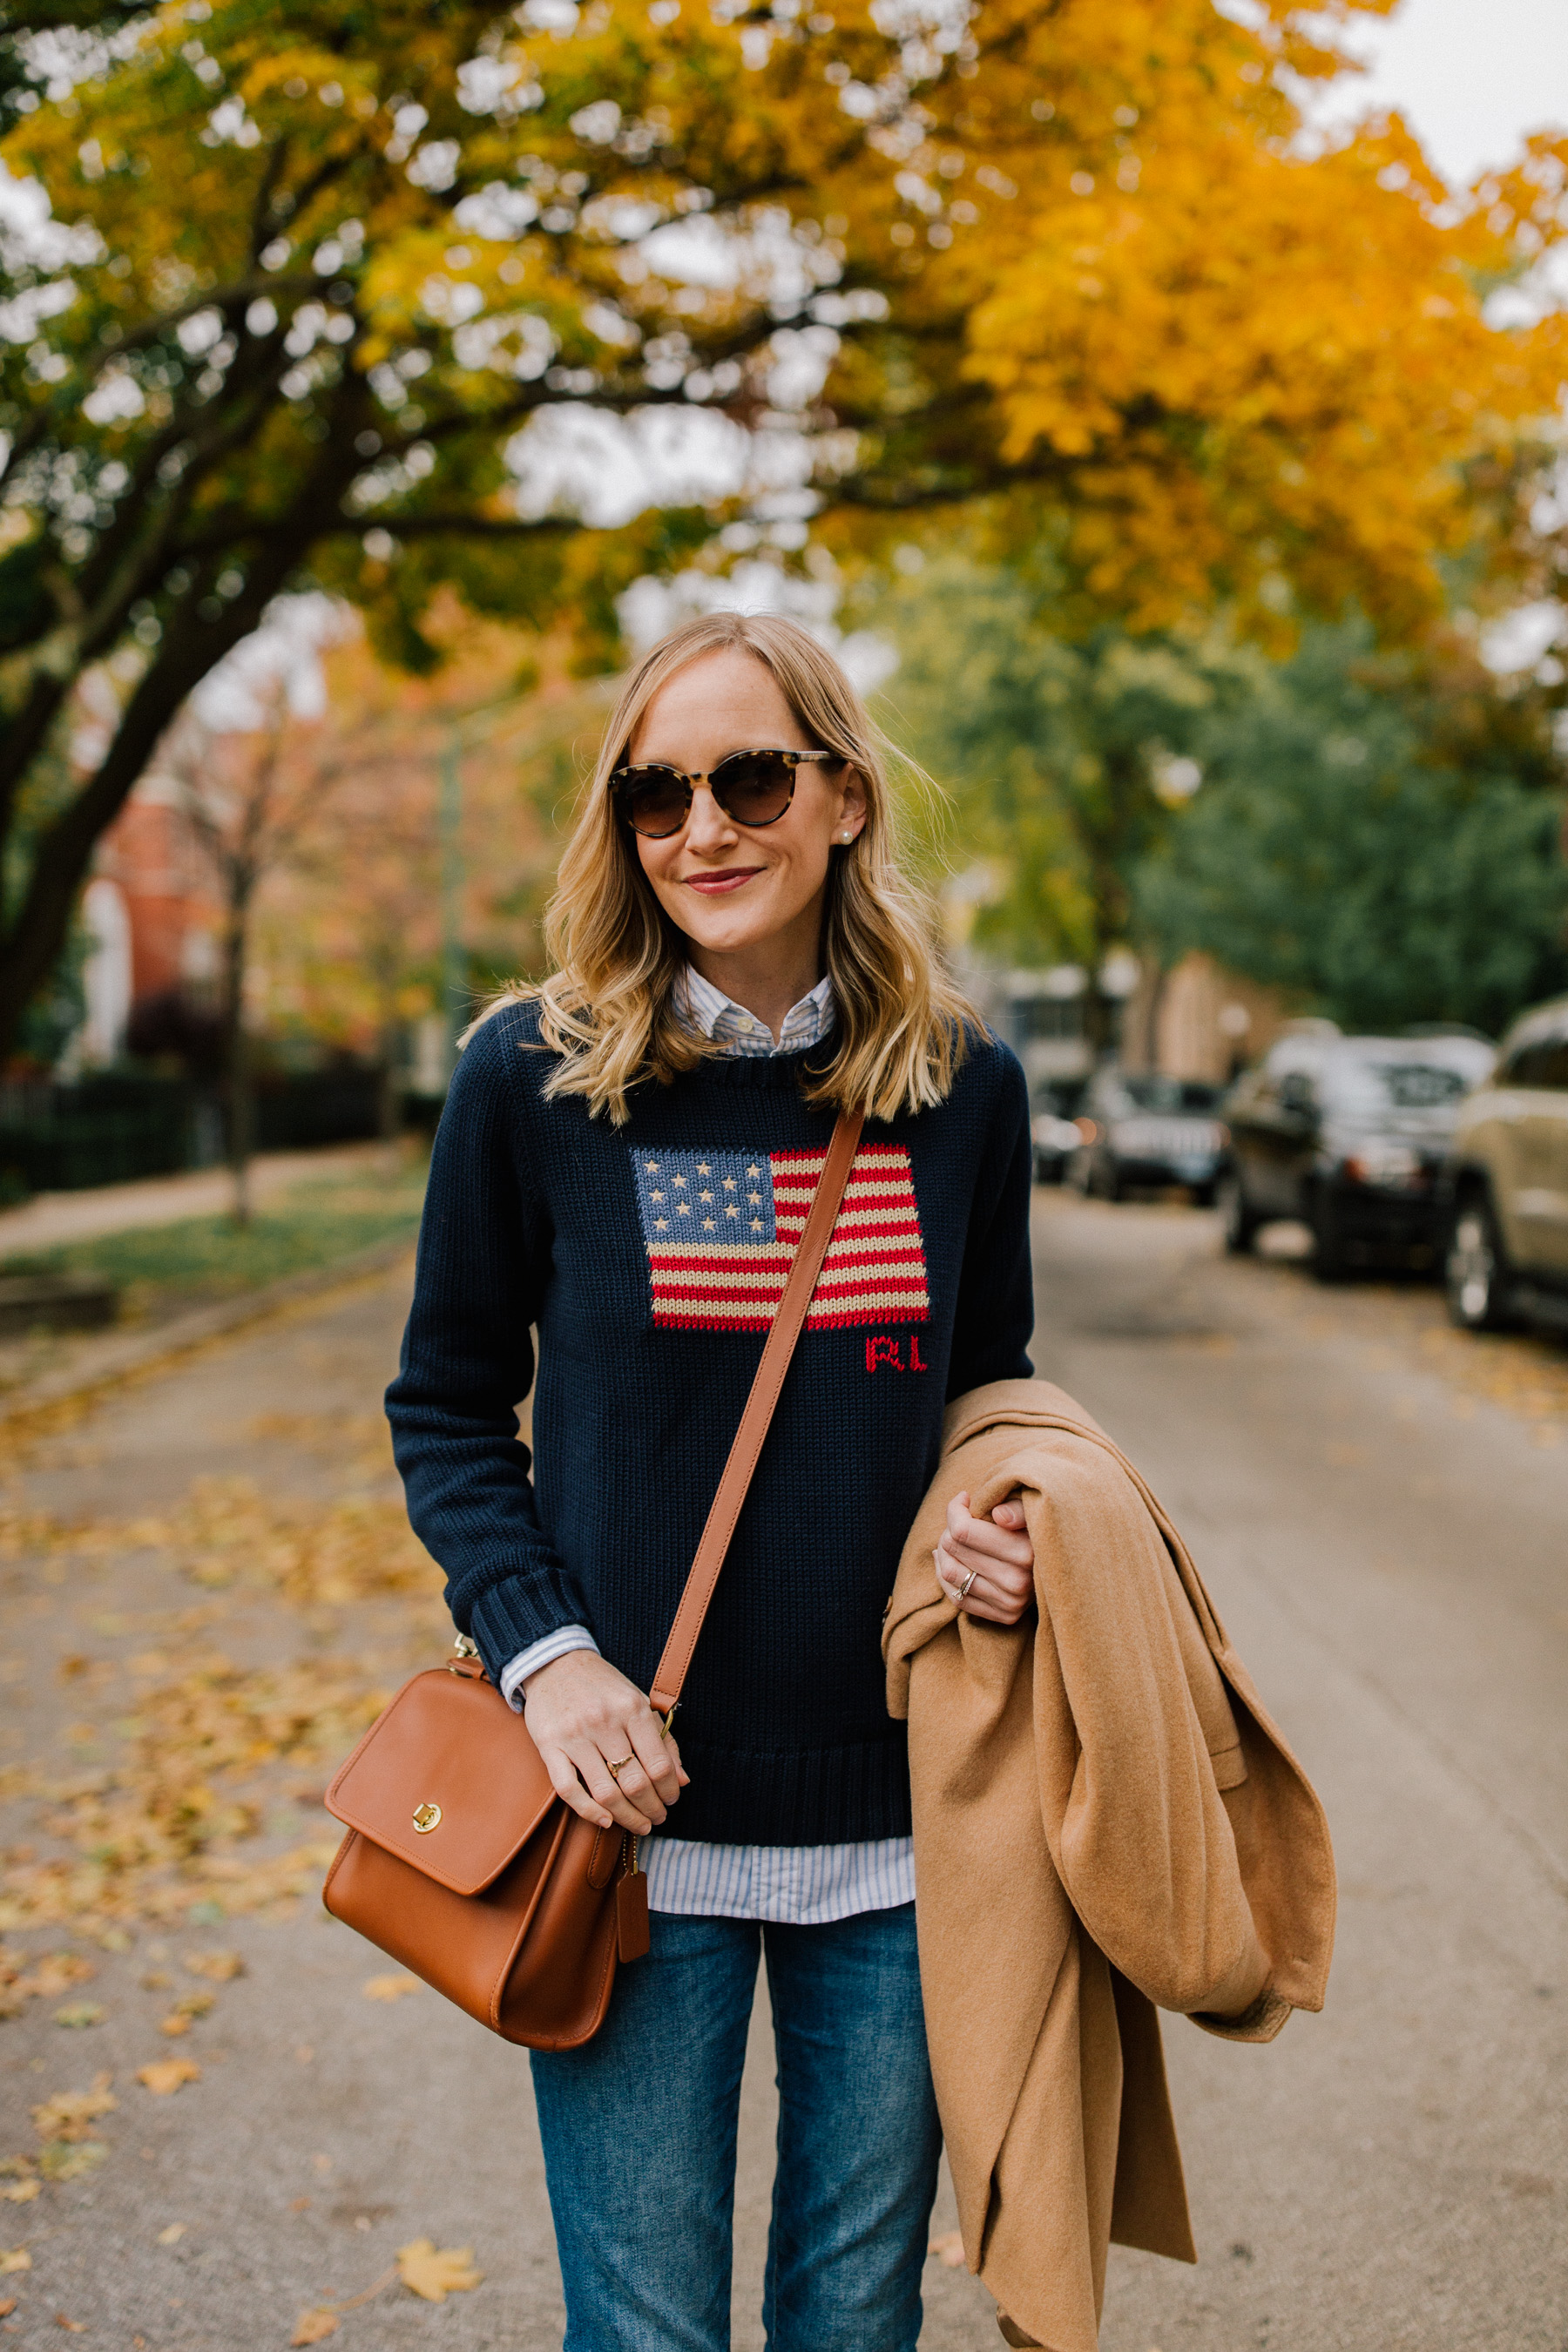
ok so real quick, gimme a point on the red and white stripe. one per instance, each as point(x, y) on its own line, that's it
point(874, 1272)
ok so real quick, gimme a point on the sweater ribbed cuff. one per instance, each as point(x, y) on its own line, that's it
point(518, 1611)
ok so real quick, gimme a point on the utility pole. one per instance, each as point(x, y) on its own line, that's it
point(453, 964)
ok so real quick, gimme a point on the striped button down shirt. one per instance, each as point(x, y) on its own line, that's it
point(798, 1885)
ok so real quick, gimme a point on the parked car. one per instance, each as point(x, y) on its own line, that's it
point(1053, 1130)
point(1147, 1131)
point(1506, 1183)
point(1349, 1134)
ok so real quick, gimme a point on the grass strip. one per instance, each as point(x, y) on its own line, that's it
point(312, 1225)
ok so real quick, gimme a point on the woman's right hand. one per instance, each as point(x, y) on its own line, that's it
point(584, 1717)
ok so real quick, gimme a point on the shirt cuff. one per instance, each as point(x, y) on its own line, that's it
point(516, 1671)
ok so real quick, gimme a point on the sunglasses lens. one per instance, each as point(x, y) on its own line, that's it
point(753, 787)
point(655, 800)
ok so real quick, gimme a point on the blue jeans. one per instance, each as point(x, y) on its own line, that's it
point(640, 2140)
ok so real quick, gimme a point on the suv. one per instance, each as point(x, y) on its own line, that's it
point(1147, 1131)
point(1507, 1181)
point(1350, 1134)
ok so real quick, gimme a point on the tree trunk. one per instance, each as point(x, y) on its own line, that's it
point(389, 1097)
point(240, 1077)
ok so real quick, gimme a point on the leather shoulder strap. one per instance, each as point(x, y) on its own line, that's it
point(779, 1348)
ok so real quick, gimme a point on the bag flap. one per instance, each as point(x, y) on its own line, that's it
point(448, 1779)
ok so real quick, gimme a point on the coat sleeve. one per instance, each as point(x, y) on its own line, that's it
point(468, 1362)
point(1130, 1799)
point(997, 1289)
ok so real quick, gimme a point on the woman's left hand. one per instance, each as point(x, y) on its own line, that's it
point(987, 1566)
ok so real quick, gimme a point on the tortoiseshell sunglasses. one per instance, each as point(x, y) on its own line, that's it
point(752, 788)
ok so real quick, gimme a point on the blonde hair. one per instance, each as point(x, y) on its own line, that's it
point(608, 1008)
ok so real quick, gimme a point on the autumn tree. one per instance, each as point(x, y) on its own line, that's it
point(350, 922)
point(250, 796)
point(1378, 836)
point(1060, 755)
point(296, 292)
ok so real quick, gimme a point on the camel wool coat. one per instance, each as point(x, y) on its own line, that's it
point(1106, 1823)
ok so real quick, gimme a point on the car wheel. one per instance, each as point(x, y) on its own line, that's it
point(1476, 1277)
point(1236, 1220)
point(1330, 1260)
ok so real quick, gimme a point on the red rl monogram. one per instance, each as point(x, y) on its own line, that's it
point(881, 1351)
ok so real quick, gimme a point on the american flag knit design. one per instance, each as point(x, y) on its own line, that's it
point(722, 1228)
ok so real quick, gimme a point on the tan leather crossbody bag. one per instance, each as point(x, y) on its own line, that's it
point(460, 1860)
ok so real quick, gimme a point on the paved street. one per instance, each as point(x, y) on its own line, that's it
point(1379, 1513)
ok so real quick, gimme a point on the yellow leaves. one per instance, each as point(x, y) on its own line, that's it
point(430, 2271)
point(433, 2273)
point(70, 2115)
point(186, 2010)
point(56, 1972)
point(63, 2161)
point(358, 1547)
point(22, 2192)
point(14, 2260)
point(154, 1836)
point(220, 1968)
point(164, 2076)
point(173, 2234)
point(64, 2124)
point(80, 2013)
point(390, 1987)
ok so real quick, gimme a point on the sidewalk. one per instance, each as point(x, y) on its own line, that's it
point(55, 1217)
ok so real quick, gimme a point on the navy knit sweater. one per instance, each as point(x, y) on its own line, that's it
point(649, 1257)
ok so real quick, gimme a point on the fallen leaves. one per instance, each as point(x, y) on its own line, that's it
point(22, 2192)
point(70, 2115)
point(82, 2013)
point(52, 1973)
point(948, 2249)
point(391, 1987)
point(227, 1531)
point(434, 2273)
point(154, 1828)
point(315, 2327)
point(13, 2260)
point(186, 2010)
point(153, 1837)
point(59, 2163)
point(173, 2234)
point(63, 2161)
point(164, 2076)
point(222, 1968)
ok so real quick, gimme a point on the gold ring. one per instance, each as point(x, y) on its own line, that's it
point(615, 1770)
point(964, 1588)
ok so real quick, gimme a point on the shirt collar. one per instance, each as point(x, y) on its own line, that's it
point(719, 1018)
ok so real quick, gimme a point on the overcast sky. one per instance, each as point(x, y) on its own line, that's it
point(1471, 76)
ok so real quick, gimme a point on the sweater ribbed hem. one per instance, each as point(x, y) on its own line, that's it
point(816, 1796)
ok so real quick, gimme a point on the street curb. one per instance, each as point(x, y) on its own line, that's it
point(111, 1360)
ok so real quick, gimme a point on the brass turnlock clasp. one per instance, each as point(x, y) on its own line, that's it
point(427, 1817)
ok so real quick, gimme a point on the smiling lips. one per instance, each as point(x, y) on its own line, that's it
point(715, 886)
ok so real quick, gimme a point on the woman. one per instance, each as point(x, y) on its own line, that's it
point(625, 1157)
